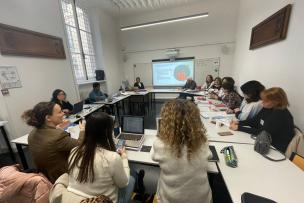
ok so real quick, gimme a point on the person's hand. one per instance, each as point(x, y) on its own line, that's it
point(234, 121)
point(237, 110)
point(233, 125)
point(82, 124)
point(123, 152)
point(229, 111)
point(65, 123)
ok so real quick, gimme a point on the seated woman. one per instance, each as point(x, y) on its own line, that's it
point(49, 144)
point(181, 149)
point(217, 84)
point(218, 93)
point(95, 167)
point(59, 97)
point(274, 118)
point(208, 83)
point(139, 84)
point(251, 104)
point(230, 97)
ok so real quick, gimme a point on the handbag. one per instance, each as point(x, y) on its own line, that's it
point(262, 145)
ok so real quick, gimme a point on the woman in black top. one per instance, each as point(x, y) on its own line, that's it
point(59, 97)
point(139, 84)
point(274, 118)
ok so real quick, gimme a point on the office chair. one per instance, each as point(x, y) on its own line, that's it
point(296, 145)
point(297, 160)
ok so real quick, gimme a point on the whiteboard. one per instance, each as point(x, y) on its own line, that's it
point(202, 68)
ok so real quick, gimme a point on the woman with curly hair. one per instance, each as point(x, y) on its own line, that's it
point(182, 151)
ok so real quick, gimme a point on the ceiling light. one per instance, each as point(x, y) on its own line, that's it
point(171, 20)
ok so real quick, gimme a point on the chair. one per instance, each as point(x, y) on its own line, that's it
point(296, 145)
point(98, 199)
point(297, 160)
point(19, 187)
point(60, 194)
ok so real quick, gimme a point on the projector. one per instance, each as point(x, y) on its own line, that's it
point(172, 53)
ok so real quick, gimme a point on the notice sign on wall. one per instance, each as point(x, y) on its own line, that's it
point(9, 77)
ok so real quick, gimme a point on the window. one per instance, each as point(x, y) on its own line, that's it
point(79, 40)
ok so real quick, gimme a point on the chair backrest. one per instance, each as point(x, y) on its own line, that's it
point(297, 160)
point(98, 199)
point(296, 145)
point(60, 194)
point(16, 186)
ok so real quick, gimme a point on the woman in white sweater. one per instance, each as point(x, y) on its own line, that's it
point(182, 151)
point(251, 104)
point(95, 168)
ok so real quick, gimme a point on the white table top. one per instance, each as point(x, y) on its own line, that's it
point(237, 137)
point(2, 123)
point(165, 90)
point(140, 157)
point(212, 130)
point(145, 157)
point(21, 140)
point(114, 101)
point(279, 181)
point(139, 93)
point(87, 109)
point(176, 91)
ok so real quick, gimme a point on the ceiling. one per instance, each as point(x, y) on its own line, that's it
point(131, 7)
point(147, 4)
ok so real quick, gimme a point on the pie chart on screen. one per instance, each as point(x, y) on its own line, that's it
point(182, 72)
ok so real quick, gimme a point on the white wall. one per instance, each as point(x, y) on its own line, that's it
point(279, 64)
point(201, 38)
point(105, 30)
point(107, 45)
point(39, 76)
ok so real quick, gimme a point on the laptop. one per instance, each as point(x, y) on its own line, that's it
point(132, 130)
point(78, 107)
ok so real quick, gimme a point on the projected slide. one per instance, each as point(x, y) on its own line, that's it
point(172, 73)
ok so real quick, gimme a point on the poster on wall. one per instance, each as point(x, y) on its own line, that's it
point(9, 77)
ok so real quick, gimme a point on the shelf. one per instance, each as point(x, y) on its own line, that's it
point(89, 82)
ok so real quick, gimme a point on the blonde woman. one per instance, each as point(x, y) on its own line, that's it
point(274, 118)
point(182, 151)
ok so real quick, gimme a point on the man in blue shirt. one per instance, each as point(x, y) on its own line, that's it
point(96, 95)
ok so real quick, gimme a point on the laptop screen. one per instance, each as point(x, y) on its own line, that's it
point(77, 107)
point(133, 124)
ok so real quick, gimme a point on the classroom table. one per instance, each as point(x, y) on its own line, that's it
point(207, 111)
point(114, 103)
point(280, 181)
point(142, 95)
point(133, 156)
point(145, 157)
point(3, 132)
point(87, 109)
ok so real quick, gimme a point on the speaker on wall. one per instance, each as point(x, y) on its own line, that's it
point(100, 74)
